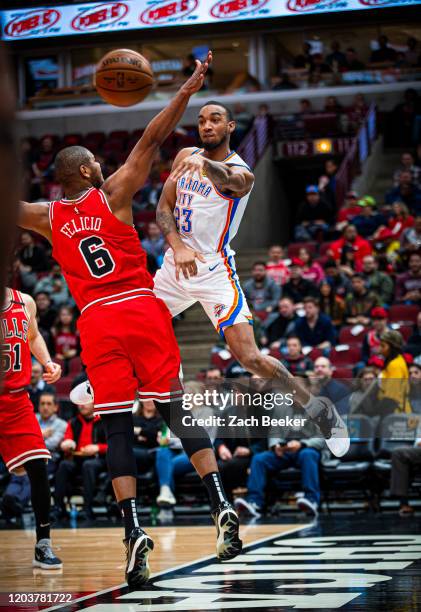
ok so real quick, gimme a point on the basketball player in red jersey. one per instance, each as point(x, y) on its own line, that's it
point(128, 343)
point(22, 445)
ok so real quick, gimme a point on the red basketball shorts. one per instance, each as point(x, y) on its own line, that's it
point(129, 346)
point(20, 434)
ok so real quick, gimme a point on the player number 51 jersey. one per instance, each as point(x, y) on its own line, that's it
point(16, 354)
point(207, 219)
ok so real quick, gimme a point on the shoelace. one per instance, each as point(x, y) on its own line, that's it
point(47, 551)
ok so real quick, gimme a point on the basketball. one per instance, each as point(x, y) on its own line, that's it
point(123, 77)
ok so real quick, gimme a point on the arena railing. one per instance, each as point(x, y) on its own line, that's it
point(357, 154)
point(255, 142)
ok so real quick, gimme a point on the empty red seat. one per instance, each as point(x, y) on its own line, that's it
point(294, 248)
point(324, 247)
point(315, 353)
point(63, 386)
point(406, 331)
point(348, 357)
point(75, 366)
point(261, 314)
point(72, 139)
point(405, 313)
point(217, 361)
point(346, 337)
point(119, 135)
point(342, 372)
point(98, 136)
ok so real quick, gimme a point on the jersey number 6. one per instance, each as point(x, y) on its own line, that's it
point(97, 257)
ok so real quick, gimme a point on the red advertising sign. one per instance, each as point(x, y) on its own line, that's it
point(32, 22)
point(164, 12)
point(229, 9)
point(301, 6)
point(99, 15)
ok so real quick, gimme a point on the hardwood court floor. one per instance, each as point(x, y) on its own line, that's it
point(94, 558)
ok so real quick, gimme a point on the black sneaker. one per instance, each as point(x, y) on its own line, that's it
point(228, 543)
point(138, 546)
point(331, 425)
point(44, 556)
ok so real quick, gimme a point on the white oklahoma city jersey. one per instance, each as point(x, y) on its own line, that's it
point(207, 220)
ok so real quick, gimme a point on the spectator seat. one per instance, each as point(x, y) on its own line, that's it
point(347, 357)
point(294, 248)
point(217, 361)
point(324, 247)
point(403, 313)
point(347, 337)
point(343, 372)
point(353, 470)
point(395, 430)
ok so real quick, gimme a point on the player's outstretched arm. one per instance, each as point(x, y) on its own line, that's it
point(236, 179)
point(184, 256)
point(37, 344)
point(123, 184)
point(35, 217)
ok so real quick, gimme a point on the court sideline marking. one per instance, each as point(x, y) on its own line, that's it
point(177, 567)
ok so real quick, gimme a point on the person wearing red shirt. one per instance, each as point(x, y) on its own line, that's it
point(277, 266)
point(84, 449)
point(351, 238)
point(400, 220)
point(349, 209)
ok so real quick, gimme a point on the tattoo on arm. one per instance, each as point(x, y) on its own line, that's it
point(218, 172)
point(166, 222)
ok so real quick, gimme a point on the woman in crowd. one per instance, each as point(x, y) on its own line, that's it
point(394, 375)
point(331, 304)
point(348, 264)
point(65, 336)
point(311, 270)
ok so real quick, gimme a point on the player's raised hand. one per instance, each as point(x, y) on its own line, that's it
point(190, 165)
point(185, 261)
point(195, 82)
point(52, 372)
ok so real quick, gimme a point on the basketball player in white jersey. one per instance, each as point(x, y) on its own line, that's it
point(199, 213)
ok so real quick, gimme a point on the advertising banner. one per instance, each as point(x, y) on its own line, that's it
point(23, 24)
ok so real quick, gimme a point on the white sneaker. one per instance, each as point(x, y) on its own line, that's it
point(165, 498)
point(251, 508)
point(307, 506)
point(82, 394)
point(333, 428)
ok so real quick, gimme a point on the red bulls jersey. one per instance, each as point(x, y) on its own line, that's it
point(16, 356)
point(100, 256)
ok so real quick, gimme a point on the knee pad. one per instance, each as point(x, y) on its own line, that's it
point(193, 437)
point(119, 433)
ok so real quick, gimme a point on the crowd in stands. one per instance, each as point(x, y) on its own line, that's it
point(342, 301)
point(336, 65)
